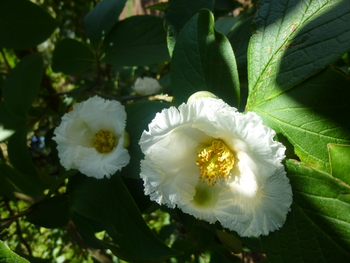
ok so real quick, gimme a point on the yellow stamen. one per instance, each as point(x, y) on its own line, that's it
point(214, 162)
point(103, 141)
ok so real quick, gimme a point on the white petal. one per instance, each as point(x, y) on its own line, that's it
point(253, 200)
point(74, 137)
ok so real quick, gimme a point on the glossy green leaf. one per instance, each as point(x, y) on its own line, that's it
point(71, 56)
point(100, 20)
point(238, 30)
point(136, 41)
point(311, 115)
point(8, 256)
point(178, 13)
point(339, 156)
point(24, 24)
point(52, 212)
point(318, 227)
point(139, 116)
point(203, 60)
point(108, 201)
point(22, 85)
point(294, 40)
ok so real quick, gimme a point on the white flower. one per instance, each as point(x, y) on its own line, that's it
point(218, 165)
point(91, 138)
point(146, 86)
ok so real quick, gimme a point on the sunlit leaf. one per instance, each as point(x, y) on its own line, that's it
point(7, 256)
point(339, 156)
point(23, 24)
point(311, 115)
point(203, 60)
point(294, 40)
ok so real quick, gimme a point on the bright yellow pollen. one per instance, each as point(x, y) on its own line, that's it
point(215, 161)
point(103, 141)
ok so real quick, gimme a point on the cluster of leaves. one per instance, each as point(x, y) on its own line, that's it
point(285, 60)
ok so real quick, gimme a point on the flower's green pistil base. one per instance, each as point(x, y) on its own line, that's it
point(214, 162)
point(103, 141)
point(205, 196)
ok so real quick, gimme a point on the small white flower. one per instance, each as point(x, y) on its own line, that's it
point(91, 138)
point(218, 165)
point(146, 86)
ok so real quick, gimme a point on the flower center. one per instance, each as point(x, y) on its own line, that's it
point(103, 141)
point(214, 161)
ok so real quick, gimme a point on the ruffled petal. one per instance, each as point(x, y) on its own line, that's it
point(74, 137)
point(249, 200)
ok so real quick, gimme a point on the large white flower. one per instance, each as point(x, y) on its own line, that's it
point(146, 86)
point(218, 165)
point(91, 138)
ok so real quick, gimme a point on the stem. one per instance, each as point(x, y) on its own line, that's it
point(5, 59)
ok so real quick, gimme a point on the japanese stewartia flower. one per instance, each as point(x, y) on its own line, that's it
point(218, 165)
point(91, 138)
point(146, 86)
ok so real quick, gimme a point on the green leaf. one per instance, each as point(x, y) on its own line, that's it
point(299, 240)
point(203, 60)
point(311, 115)
point(87, 233)
point(318, 227)
point(9, 122)
point(230, 241)
point(71, 56)
point(100, 20)
point(108, 201)
point(23, 183)
point(139, 114)
point(294, 40)
point(162, 6)
point(339, 156)
point(179, 12)
point(23, 24)
point(22, 85)
point(52, 212)
point(238, 30)
point(6, 188)
point(8, 256)
point(136, 41)
point(20, 159)
point(19, 153)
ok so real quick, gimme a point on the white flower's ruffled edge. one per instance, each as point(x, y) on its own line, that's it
point(173, 138)
point(75, 133)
